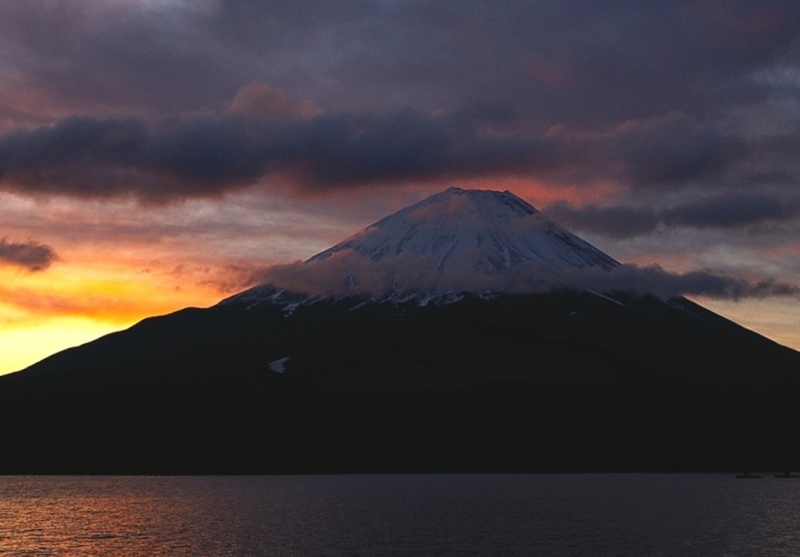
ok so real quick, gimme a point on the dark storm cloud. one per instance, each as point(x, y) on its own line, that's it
point(32, 256)
point(655, 280)
point(615, 222)
point(115, 56)
point(634, 94)
point(672, 149)
point(203, 156)
point(735, 211)
point(587, 64)
point(210, 155)
point(556, 61)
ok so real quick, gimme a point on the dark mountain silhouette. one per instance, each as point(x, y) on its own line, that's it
point(376, 362)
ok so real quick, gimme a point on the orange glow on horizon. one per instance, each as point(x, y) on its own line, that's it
point(770, 317)
point(23, 345)
point(119, 263)
point(42, 313)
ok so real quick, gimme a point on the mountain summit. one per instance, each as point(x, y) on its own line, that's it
point(470, 231)
point(455, 241)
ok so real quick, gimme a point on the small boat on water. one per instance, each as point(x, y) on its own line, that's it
point(747, 476)
point(788, 475)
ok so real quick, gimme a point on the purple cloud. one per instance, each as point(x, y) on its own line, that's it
point(30, 255)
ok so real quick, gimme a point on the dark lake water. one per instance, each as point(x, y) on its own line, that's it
point(480, 515)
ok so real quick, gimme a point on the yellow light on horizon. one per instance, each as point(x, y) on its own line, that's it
point(773, 318)
point(44, 313)
point(23, 346)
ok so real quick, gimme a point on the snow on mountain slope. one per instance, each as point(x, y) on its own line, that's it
point(455, 241)
point(472, 230)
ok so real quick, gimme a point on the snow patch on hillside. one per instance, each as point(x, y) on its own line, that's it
point(279, 366)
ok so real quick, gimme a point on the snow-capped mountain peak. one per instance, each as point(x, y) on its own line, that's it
point(471, 231)
point(454, 241)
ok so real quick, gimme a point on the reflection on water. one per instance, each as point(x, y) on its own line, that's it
point(603, 514)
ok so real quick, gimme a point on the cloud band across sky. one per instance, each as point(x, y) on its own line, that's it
point(366, 277)
point(206, 156)
point(721, 212)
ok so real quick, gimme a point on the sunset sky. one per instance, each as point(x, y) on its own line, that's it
point(158, 154)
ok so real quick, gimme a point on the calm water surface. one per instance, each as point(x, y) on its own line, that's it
point(480, 515)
